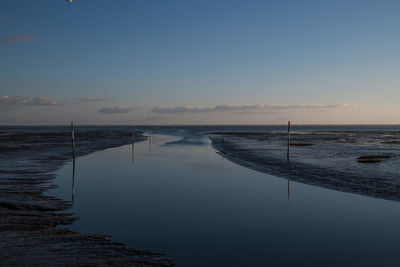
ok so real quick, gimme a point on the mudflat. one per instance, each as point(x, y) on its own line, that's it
point(29, 218)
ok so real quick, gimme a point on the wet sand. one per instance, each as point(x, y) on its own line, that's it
point(28, 218)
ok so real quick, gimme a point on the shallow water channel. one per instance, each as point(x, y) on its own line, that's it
point(200, 209)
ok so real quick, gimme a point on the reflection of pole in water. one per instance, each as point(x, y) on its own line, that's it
point(149, 143)
point(288, 141)
point(288, 190)
point(155, 129)
point(73, 159)
point(133, 146)
point(73, 180)
point(73, 140)
point(133, 153)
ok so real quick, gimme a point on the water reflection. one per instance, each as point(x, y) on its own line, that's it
point(133, 153)
point(73, 179)
point(133, 146)
point(149, 144)
point(185, 202)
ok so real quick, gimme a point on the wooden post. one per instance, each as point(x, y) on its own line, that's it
point(223, 134)
point(288, 142)
point(73, 141)
point(206, 129)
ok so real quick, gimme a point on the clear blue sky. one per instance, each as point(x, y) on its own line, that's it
point(168, 61)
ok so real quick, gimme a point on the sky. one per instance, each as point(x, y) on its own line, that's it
point(199, 62)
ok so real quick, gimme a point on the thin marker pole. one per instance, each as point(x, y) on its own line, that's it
point(288, 142)
point(223, 134)
point(73, 159)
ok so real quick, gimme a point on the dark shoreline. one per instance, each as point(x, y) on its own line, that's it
point(28, 234)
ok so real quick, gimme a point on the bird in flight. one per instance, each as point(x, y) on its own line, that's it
point(70, 1)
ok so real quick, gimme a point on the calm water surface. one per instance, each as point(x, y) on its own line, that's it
point(185, 200)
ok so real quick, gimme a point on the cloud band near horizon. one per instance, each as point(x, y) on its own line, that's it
point(114, 110)
point(248, 108)
point(22, 100)
point(92, 99)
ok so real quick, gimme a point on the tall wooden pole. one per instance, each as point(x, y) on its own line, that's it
point(288, 142)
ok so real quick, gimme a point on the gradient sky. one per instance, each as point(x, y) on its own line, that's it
point(199, 61)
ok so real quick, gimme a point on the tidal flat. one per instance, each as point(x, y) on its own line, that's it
point(30, 157)
point(186, 196)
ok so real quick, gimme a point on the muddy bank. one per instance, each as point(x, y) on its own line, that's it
point(29, 159)
point(331, 162)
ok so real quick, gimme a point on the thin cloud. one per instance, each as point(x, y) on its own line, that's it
point(238, 107)
point(272, 107)
point(89, 99)
point(37, 101)
point(315, 106)
point(115, 110)
point(181, 109)
point(247, 108)
point(17, 39)
point(21, 100)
